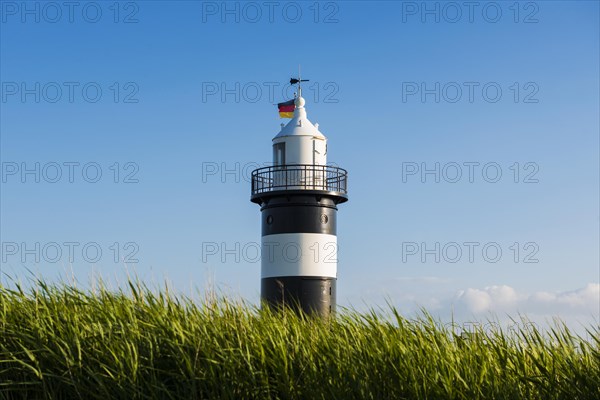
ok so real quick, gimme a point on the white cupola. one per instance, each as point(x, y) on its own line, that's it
point(300, 142)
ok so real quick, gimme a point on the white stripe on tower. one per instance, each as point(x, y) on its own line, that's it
point(299, 254)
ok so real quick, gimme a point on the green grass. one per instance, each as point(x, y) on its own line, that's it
point(59, 342)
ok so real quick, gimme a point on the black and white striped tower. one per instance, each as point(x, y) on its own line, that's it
point(298, 196)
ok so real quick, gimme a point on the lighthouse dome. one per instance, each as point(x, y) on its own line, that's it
point(299, 125)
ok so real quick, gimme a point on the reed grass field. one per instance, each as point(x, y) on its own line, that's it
point(59, 342)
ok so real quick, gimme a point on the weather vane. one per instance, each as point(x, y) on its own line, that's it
point(294, 81)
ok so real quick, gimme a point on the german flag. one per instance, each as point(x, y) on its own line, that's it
point(286, 110)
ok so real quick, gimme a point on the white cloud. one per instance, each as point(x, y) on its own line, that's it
point(505, 299)
point(490, 298)
point(578, 309)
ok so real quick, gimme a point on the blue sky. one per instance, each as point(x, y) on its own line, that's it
point(164, 123)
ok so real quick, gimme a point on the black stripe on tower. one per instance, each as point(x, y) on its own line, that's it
point(299, 218)
point(313, 295)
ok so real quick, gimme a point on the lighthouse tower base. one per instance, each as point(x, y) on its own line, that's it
point(299, 251)
point(311, 295)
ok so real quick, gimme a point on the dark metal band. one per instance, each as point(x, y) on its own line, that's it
point(296, 198)
point(314, 295)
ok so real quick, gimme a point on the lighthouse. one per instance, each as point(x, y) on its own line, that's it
point(299, 197)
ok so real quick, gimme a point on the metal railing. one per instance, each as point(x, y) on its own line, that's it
point(299, 177)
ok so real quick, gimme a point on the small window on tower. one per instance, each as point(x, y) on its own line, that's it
point(279, 153)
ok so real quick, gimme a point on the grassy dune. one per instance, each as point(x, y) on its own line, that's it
point(58, 342)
